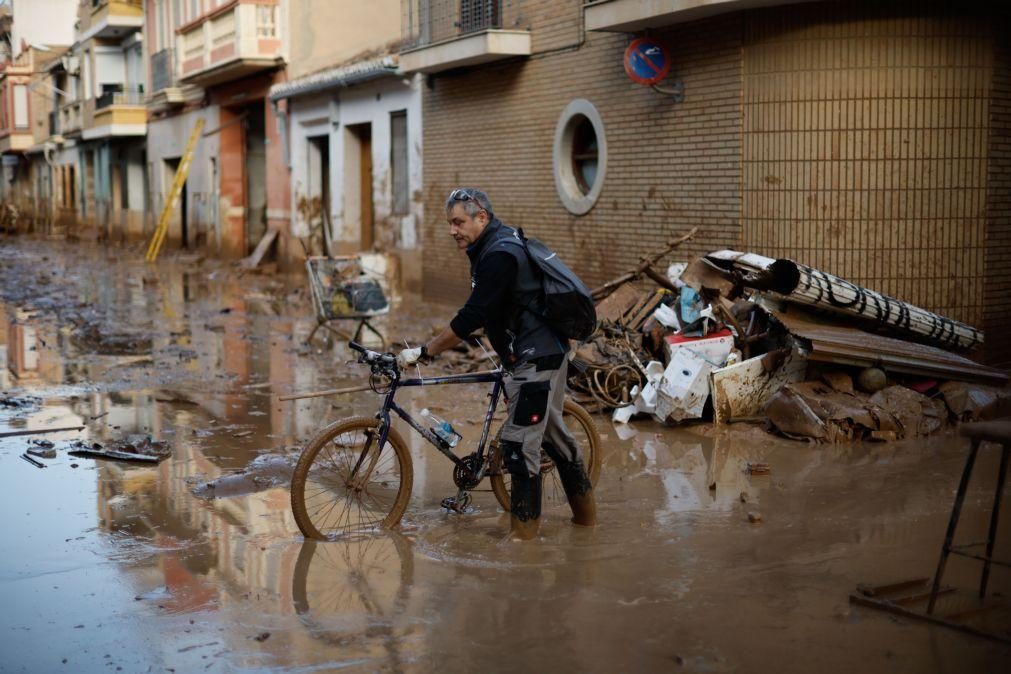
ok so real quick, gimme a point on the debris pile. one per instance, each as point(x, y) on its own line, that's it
point(141, 448)
point(740, 337)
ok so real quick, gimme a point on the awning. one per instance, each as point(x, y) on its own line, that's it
point(342, 76)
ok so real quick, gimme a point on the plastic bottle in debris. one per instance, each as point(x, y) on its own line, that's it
point(442, 428)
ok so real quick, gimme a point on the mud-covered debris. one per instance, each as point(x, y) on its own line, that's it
point(974, 402)
point(754, 516)
point(37, 464)
point(19, 402)
point(872, 379)
point(132, 448)
point(91, 337)
point(262, 636)
point(839, 381)
point(242, 434)
point(744, 497)
point(759, 468)
point(42, 442)
point(42, 452)
point(917, 414)
point(264, 472)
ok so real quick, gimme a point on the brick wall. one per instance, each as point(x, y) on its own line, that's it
point(670, 166)
point(674, 166)
point(865, 146)
point(997, 289)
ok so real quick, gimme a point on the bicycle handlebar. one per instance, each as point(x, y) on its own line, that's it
point(374, 358)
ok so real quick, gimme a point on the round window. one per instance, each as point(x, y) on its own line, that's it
point(580, 156)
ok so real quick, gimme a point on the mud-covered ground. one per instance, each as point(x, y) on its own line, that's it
point(195, 563)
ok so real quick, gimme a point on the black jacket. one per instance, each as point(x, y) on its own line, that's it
point(505, 299)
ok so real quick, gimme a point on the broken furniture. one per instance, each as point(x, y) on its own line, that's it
point(342, 291)
point(883, 597)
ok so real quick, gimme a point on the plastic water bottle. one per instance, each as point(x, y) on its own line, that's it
point(442, 428)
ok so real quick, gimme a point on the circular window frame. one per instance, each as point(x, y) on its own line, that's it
point(573, 198)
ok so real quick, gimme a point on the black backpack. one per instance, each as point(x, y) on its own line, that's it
point(567, 304)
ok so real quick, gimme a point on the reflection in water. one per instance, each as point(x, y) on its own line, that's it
point(342, 590)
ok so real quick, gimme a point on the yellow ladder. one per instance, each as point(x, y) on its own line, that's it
point(173, 196)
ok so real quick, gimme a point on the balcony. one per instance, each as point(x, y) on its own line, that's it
point(116, 95)
point(119, 111)
point(15, 117)
point(15, 140)
point(632, 16)
point(445, 34)
point(71, 117)
point(112, 19)
point(233, 41)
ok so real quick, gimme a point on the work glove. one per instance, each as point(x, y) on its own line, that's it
point(410, 356)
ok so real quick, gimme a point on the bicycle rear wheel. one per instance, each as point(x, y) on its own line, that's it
point(343, 483)
point(581, 425)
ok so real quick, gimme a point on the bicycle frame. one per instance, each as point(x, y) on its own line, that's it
point(494, 377)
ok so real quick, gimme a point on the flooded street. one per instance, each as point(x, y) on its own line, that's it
point(196, 564)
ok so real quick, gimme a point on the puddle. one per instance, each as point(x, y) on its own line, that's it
point(113, 564)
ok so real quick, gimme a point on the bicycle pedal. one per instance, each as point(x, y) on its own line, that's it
point(455, 505)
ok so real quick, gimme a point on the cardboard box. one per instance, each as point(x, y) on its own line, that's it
point(684, 388)
point(714, 347)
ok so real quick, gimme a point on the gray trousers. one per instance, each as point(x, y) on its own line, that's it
point(535, 417)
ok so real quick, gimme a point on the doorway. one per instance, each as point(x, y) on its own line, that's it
point(179, 219)
point(358, 206)
point(256, 175)
point(318, 211)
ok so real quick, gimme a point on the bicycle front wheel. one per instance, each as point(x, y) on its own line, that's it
point(580, 424)
point(344, 483)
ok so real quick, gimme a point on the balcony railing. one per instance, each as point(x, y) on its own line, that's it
point(428, 21)
point(118, 95)
point(162, 70)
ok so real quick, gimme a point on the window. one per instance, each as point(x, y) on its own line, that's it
point(479, 15)
point(194, 9)
point(86, 73)
point(21, 107)
point(266, 21)
point(584, 153)
point(580, 156)
point(399, 163)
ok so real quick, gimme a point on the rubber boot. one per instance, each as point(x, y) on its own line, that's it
point(579, 492)
point(525, 506)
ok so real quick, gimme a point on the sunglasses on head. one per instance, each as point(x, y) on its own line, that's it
point(462, 195)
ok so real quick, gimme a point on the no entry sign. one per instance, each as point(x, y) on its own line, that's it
point(646, 61)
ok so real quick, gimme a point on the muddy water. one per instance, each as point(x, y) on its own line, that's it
point(111, 566)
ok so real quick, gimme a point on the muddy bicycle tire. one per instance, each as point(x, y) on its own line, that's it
point(552, 493)
point(324, 506)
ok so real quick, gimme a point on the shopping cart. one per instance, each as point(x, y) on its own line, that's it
point(341, 290)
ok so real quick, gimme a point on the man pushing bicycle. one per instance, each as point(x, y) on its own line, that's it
point(507, 300)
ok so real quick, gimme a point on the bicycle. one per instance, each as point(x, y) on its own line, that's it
point(357, 475)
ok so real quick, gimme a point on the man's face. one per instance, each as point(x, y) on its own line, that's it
point(464, 228)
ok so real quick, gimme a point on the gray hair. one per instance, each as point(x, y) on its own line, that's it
point(473, 201)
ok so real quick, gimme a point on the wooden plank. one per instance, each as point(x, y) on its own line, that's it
point(254, 260)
